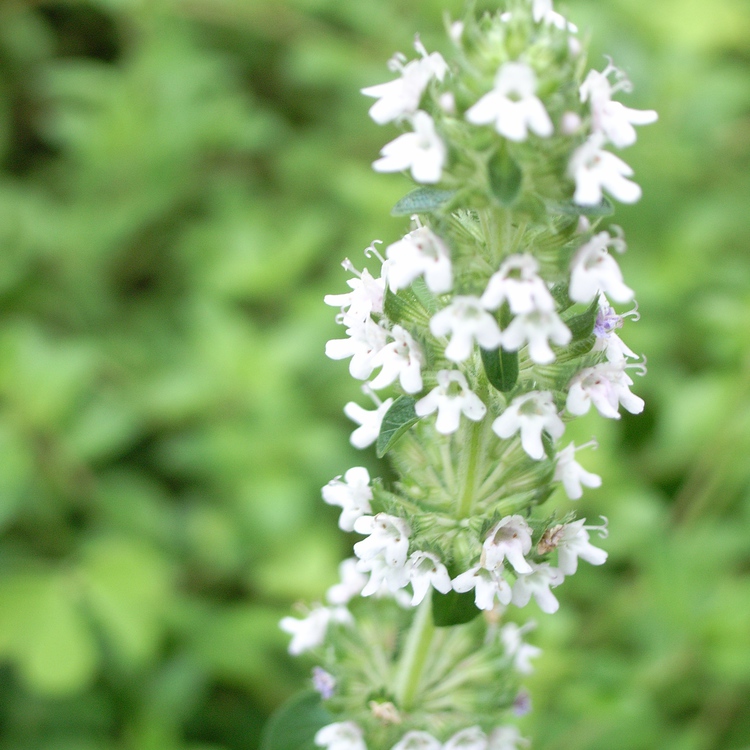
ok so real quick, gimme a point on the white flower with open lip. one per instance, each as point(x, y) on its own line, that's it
point(421, 252)
point(351, 583)
point(366, 339)
point(594, 270)
point(607, 320)
point(342, 735)
point(537, 584)
point(542, 11)
point(387, 536)
point(516, 648)
point(606, 385)
point(537, 328)
point(595, 170)
point(512, 106)
point(451, 398)
point(425, 570)
point(369, 422)
point(488, 585)
point(518, 281)
point(366, 296)
point(532, 413)
point(573, 543)
point(472, 738)
point(353, 496)
point(572, 474)
point(467, 320)
point(416, 740)
point(385, 576)
point(506, 738)
point(402, 359)
point(508, 539)
point(609, 117)
point(401, 97)
point(310, 632)
point(422, 152)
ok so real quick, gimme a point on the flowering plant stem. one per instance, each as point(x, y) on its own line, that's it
point(489, 327)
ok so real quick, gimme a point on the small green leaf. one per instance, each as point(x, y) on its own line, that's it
point(453, 608)
point(582, 326)
point(398, 419)
point(605, 208)
point(423, 200)
point(505, 177)
point(294, 724)
point(404, 307)
point(501, 368)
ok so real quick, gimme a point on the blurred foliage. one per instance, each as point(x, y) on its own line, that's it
point(180, 179)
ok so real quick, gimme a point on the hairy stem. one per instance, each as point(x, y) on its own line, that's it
point(414, 656)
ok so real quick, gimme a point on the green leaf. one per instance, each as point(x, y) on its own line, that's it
point(501, 368)
point(605, 208)
point(423, 200)
point(294, 724)
point(398, 419)
point(582, 326)
point(505, 177)
point(404, 307)
point(453, 608)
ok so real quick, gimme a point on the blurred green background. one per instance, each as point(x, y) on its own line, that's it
point(180, 180)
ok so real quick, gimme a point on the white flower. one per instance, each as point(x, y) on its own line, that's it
point(509, 538)
point(537, 584)
point(388, 535)
point(417, 741)
point(532, 413)
point(400, 359)
point(606, 385)
point(537, 328)
point(516, 649)
point(425, 570)
point(366, 339)
point(612, 118)
point(506, 738)
point(542, 11)
point(451, 398)
point(594, 170)
point(310, 631)
point(472, 738)
point(421, 151)
point(421, 252)
point(366, 296)
point(574, 543)
point(351, 584)
point(343, 735)
point(518, 282)
point(353, 496)
point(487, 584)
point(367, 433)
point(594, 270)
point(385, 576)
point(572, 474)
point(466, 319)
point(607, 341)
point(401, 97)
point(512, 105)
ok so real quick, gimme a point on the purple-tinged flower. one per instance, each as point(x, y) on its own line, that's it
point(605, 385)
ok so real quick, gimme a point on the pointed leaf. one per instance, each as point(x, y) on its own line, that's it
point(294, 725)
point(404, 307)
point(582, 326)
point(501, 368)
point(505, 177)
point(605, 208)
point(453, 608)
point(398, 419)
point(423, 200)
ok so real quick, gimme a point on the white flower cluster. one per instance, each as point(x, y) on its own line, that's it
point(347, 735)
point(489, 327)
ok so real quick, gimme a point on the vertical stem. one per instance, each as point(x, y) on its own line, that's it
point(415, 654)
point(471, 457)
